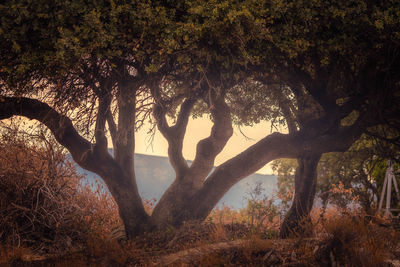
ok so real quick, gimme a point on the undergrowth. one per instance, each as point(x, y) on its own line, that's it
point(44, 209)
point(47, 216)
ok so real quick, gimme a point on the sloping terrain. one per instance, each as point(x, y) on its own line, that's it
point(154, 174)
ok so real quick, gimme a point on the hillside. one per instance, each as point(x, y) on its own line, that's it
point(154, 174)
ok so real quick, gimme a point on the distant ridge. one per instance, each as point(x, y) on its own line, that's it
point(154, 174)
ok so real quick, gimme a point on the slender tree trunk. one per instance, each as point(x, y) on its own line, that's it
point(136, 220)
point(297, 218)
point(122, 186)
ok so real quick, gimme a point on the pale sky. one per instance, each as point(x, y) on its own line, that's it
point(198, 129)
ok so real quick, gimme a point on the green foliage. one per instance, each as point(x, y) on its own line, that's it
point(285, 169)
point(336, 32)
point(41, 40)
point(260, 209)
point(217, 42)
point(361, 169)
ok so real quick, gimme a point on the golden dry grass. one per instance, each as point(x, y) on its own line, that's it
point(50, 219)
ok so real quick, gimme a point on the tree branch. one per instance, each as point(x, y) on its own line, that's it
point(103, 109)
point(114, 174)
point(175, 134)
point(287, 110)
point(60, 125)
point(125, 140)
point(112, 127)
point(208, 148)
point(272, 147)
point(315, 87)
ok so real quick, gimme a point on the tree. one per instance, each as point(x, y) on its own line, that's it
point(339, 63)
point(360, 170)
point(88, 70)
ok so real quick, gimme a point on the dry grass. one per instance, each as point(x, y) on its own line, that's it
point(44, 209)
point(345, 240)
point(356, 240)
point(47, 218)
point(35, 186)
point(339, 238)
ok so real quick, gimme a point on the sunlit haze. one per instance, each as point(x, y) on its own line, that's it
point(200, 128)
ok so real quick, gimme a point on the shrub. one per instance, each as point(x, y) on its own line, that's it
point(260, 216)
point(42, 203)
point(354, 239)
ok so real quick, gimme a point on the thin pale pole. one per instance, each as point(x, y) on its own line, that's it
point(383, 193)
point(389, 191)
point(396, 187)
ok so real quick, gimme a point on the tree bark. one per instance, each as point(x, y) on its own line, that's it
point(125, 193)
point(118, 176)
point(175, 205)
point(122, 181)
point(297, 218)
point(193, 195)
point(271, 147)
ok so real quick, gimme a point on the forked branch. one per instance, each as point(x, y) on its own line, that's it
point(221, 131)
point(175, 134)
point(112, 127)
point(59, 125)
point(102, 112)
point(271, 147)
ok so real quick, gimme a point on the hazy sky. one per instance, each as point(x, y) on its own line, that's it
point(199, 129)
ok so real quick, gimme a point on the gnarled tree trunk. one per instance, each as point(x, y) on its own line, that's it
point(116, 172)
point(194, 193)
point(175, 206)
point(297, 218)
point(124, 190)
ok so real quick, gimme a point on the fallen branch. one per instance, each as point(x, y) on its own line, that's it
point(193, 254)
